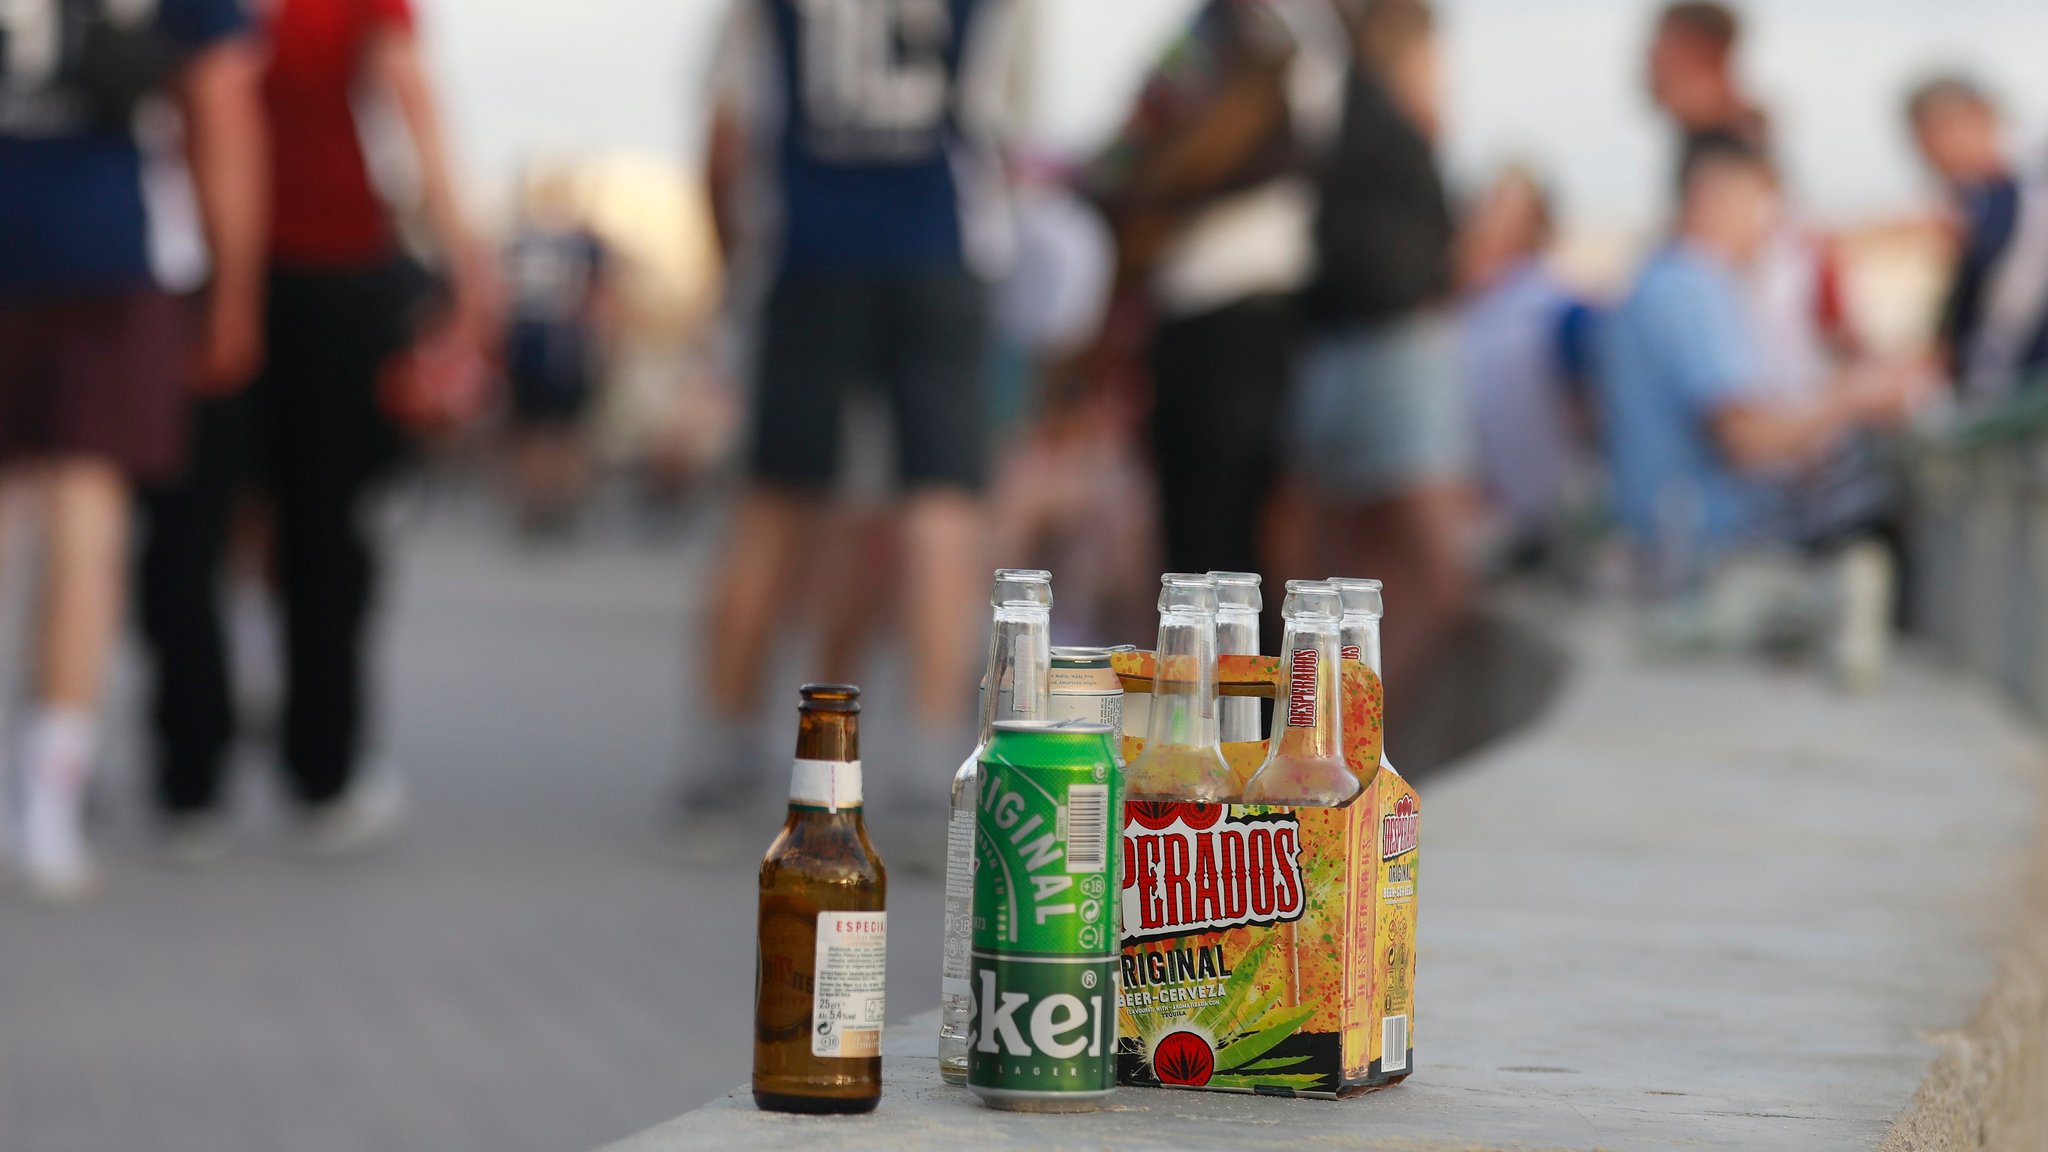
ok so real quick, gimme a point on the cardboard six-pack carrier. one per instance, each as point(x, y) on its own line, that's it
point(1270, 949)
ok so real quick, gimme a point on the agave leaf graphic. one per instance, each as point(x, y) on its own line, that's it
point(1236, 991)
point(1297, 1082)
point(1127, 1024)
point(1276, 1063)
point(1261, 1023)
point(1278, 1026)
point(1250, 1014)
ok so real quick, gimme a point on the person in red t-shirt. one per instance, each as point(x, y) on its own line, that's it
point(312, 433)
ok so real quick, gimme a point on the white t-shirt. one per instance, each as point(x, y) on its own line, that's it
point(1260, 241)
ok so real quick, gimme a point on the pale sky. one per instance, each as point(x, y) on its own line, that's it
point(1552, 81)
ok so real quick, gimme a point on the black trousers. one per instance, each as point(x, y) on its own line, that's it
point(1220, 385)
point(307, 434)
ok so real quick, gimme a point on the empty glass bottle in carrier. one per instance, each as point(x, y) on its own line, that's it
point(1305, 764)
point(1014, 686)
point(1182, 759)
point(1237, 634)
point(1364, 606)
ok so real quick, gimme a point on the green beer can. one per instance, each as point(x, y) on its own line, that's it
point(1043, 977)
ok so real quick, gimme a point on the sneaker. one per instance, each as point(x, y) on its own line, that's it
point(916, 801)
point(369, 813)
point(62, 876)
point(51, 857)
point(912, 840)
point(195, 841)
point(715, 821)
point(722, 805)
point(1865, 582)
point(49, 849)
point(702, 839)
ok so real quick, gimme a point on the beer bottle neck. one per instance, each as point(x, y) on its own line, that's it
point(1309, 719)
point(1014, 686)
point(1184, 682)
point(1237, 632)
point(827, 771)
point(1362, 641)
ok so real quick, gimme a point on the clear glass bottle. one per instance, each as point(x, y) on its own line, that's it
point(1237, 634)
point(1014, 686)
point(818, 1034)
point(1182, 759)
point(1364, 605)
point(1306, 762)
point(1359, 632)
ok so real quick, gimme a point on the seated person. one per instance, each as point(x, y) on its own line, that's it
point(1699, 453)
point(1525, 349)
point(1994, 329)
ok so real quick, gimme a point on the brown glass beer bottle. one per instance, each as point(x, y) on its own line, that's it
point(818, 979)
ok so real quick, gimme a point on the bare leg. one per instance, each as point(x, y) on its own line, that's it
point(1415, 542)
point(1289, 529)
point(862, 542)
point(529, 472)
point(728, 769)
point(943, 551)
point(86, 505)
point(550, 473)
point(1022, 506)
point(761, 561)
point(12, 485)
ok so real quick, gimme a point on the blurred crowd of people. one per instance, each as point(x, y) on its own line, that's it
point(1259, 320)
point(249, 419)
point(1325, 360)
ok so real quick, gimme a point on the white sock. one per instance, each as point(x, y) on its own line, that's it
point(56, 759)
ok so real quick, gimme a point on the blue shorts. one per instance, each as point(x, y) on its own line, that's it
point(1381, 410)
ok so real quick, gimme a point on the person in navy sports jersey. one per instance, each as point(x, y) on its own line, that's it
point(1994, 323)
point(855, 186)
point(95, 356)
point(557, 272)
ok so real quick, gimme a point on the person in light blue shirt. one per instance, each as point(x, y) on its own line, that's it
point(1679, 350)
point(1526, 344)
point(1697, 452)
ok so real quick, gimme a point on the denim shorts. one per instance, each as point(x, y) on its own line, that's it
point(1381, 410)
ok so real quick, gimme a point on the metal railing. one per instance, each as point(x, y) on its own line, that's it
point(1979, 499)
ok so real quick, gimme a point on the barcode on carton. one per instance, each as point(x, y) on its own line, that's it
point(1087, 827)
point(1394, 1043)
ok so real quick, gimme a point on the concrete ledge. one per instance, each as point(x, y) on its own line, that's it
point(1990, 1087)
point(1699, 906)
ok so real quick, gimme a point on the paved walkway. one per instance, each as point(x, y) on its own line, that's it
point(526, 970)
point(1701, 907)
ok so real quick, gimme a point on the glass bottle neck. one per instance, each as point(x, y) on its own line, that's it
point(1184, 682)
point(1014, 686)
point(1362, 642)
point(1237, 632)
point(828, 736)
point(1308, 720)
point(826, 778)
